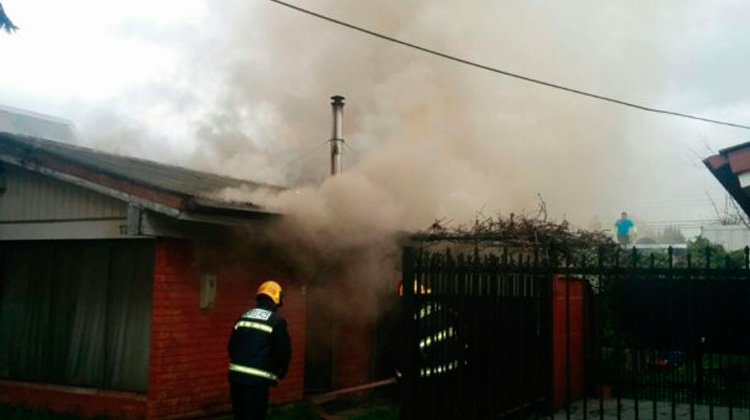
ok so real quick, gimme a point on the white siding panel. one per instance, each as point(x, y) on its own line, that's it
point(33, 197)
point(731, 237)
point(83, 229)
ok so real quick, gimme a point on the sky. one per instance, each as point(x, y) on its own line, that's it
point(242, 88)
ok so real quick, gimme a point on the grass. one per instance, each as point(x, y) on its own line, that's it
point(299, 411)
point(379, 413)
point(294, 411)
point(21, 413)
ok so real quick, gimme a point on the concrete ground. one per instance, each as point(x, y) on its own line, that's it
point(646, 411)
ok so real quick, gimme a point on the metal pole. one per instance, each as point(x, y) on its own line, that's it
point(337, 137)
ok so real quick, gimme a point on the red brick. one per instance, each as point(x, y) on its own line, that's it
point(188, 349)
point(72, 400)
point(187, 367)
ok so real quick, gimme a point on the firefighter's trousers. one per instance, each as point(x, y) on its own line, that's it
point(249, 402)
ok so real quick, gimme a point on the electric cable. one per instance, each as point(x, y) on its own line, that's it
point(507, 73)
point(304, 154)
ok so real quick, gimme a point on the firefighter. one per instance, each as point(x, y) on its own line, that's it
point(259, 352)
point(441, 356)
point(440, 347)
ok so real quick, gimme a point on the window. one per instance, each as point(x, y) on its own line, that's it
point(76, 312)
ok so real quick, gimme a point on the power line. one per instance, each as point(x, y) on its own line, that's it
point(348, 146)
point(507, 73)
point(304, 154)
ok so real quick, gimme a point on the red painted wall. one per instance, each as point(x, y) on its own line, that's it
point(188, 364)
point(574, 290)
point(352, 354)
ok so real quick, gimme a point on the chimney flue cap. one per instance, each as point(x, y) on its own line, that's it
point(337, 100)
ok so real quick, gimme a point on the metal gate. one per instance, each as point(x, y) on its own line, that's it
point(479, 334)
point(602, 333)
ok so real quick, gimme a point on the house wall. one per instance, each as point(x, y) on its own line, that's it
point(79, 400)
point(83, 402)
point(188, 365)
point(352, 354)
point(36, 207)
point(30, 197)
point(340, 340)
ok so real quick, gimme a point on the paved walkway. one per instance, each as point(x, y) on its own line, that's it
point(646, 411)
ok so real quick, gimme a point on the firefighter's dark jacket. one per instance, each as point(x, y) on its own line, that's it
point(259, 341)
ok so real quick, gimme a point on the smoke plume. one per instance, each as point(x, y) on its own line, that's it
point(427, 138)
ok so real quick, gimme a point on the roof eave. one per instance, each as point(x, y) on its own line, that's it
point(204, 206)
point(170, 203)
point(21, 151)
point(721, 169)
point(736, 147)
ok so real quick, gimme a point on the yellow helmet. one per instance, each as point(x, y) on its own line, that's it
point(273, 290)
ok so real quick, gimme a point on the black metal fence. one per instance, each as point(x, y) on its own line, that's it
point(480, 335)
point(604, 334)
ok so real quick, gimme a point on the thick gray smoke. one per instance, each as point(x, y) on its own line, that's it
point(432, 139)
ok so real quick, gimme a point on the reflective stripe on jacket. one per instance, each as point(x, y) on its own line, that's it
point(259, 347)
point(253, 372)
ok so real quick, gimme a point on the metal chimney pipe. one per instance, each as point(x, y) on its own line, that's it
point(337, 137)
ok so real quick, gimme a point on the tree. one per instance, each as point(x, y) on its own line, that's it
point(701, 249)
point(671, 235)
point(5, 22)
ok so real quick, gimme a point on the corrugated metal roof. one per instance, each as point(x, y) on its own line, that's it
point(145, 172)
point(37, 134)
point(27, 123)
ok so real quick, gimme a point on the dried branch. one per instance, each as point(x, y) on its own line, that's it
point(542, 208)
point(716, 209)
point(519, 232)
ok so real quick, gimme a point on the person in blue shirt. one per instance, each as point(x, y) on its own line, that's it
point(625, 229)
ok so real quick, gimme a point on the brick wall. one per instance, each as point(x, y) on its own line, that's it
point(82, 402)
point(188, 344)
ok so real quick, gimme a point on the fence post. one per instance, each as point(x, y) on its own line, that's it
point(408, 323)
